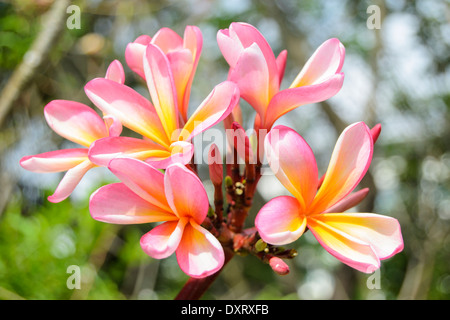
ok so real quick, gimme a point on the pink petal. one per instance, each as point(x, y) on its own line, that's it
point(113, 124)
point(281, 64)
point(167, 40)
point(54, 161)
point(118, 204)
point(348, 249)
point(75, 121)
point(199, 253)
point(193, 41)
point(180, 152)
point(129, 107)
point(115, 72)
point(241, 36)
point(164, 239)
point(230, 46)
point(70, 180)
point(350, 201)
point(293, 163)
point(134, 54)
point(162, 89)
point(326, 61)
point(349, 162)
point(382, 233)
point(252, 77)
point(181, 63)
point(215, 108)
point(280, 221)
point(104, 150)
point(185, 193)
point(289, 99)
point(144, 180)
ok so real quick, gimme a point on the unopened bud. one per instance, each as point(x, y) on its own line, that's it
point(260, 245)
point(228, 182)
point(241, 143)
point(375, 131)
point(279, 266)
point(215, 165)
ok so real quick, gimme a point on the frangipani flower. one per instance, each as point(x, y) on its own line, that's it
point(183, 55)
point(258, 73)
point(166, 139)
point(359, 240)
point(80, 124)
point(176, 198)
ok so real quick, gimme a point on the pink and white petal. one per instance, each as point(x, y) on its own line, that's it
point(199, 253)
point(382, 233)
point(216, 107)
point(280, 221)
point(167, 40)
point(230, 46)
point(352, 251)
point(129, 107)
point(181, 63)
point(75, 121)
point(185, 193)
point(144, 180)
point(350, 201)
point(180, 152)
point(115, 72)
point(134, 54)
point(193, 41)
point(160, 83)
point(164, 239)
point(326, 61)
point(54, 161)
point(289, 99)
point(249, 35)
point(70, 180)
point(349, 162)
point(293, 163)
point(104, 150)
point(118, 204)
point(252, 76)
point(114, 125)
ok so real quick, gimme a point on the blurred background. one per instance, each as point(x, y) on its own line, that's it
point(397, 75)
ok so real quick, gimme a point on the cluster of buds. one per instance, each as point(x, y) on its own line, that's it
point(159, 182)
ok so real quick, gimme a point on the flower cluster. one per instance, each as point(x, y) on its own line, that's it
point(158, 175)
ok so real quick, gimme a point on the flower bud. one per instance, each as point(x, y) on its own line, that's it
point(215, 165)
point(375, 131)
point(241, 143)
point(279, 266)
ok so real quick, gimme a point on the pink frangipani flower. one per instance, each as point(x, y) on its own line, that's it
point(80, 124)
point(183, 55)
point(258, 73)
point(166, 137)
point(359, 240)
point(175, 198)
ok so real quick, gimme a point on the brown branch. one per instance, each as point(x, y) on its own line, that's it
point(34, 57)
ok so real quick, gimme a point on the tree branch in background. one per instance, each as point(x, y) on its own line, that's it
point(34, 57)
